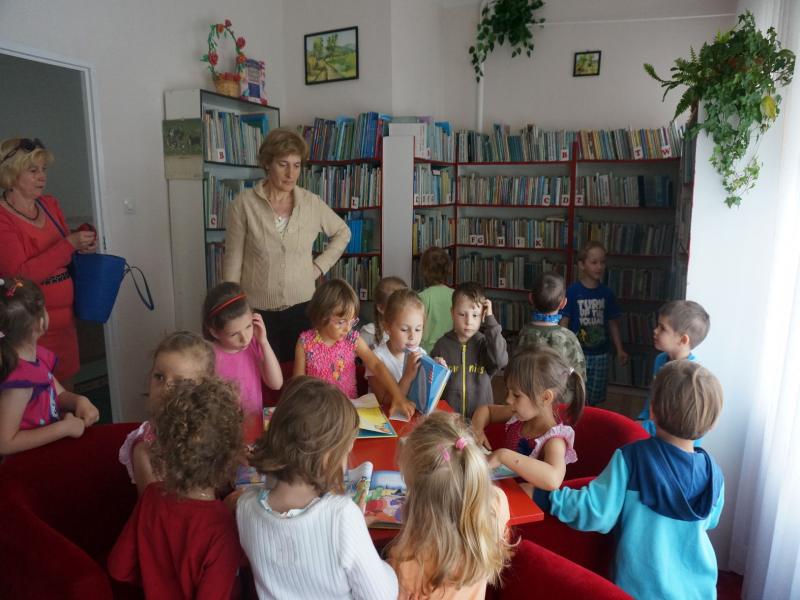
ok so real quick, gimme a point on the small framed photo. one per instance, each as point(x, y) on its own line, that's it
point(331, 55)
point(587, 63)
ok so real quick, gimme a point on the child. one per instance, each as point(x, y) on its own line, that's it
point(404, 321)
point(592, 313)
point(473, 357)
point(454, 538)
point(180, 355)
point(180, 541)
point(538, 445)
point(329, 350)
point(374, 333)
point(435, 267)
point(659, 495)
point(682, 326)
point(304, 538)
point(243, 354)
point(548, 298)
point(30, 396)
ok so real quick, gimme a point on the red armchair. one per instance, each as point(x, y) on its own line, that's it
point(62, 507)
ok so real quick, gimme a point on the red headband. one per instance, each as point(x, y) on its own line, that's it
point(228, 302)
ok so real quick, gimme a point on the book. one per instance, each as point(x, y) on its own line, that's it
point(428, 385)
point(380, 493)
point(372, 422)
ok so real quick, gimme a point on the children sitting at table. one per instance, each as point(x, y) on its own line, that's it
point(473, 356)
point(538, 445)
point(454, 538)
point(304, 537)
point(180, 541)
point(660, 495)
point(329, 350)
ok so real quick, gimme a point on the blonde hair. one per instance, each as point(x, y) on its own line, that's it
point(385, 288)
point(399, 301)
point(450, 528)
point(279, 143)
point(309, 436)
point(13, 166)
point(536, 369)
point(334, 297)
point(188, 342)
point(687, 399)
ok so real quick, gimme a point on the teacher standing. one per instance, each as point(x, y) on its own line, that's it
point(34, 244)
point(270, 232)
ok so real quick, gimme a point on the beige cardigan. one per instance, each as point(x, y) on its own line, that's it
point(278, 273)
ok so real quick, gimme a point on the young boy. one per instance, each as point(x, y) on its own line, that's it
point(591, 313)
point(660, 495)
point(180, 541)
point(548, 298)
point(435, 267)
point(472, 357)
point(682, 326)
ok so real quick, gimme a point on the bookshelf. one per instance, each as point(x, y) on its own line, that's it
point(211, 153)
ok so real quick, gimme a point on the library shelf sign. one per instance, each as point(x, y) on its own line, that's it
point(331, 55)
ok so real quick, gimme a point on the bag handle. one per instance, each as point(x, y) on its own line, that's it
point(148, 302)
point(47, 212)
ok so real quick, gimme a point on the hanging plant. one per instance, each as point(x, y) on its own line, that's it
point(501, 21)
point(735, 78)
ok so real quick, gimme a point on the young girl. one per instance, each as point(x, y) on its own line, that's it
point(374, 333)
point(404, 321)
point(304, 538)
point(180, 355)
point(329, 350)
point(31, 398)
point(242, 350)
point(180, 541)
point(453, 539)
point(538, 445)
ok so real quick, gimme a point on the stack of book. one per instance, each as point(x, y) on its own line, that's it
point(362, 234)
point(606, 189)
point(431, 230)
point(233, 138)
point(627, 238)
point(219, 193)
point(215, 253)
point(637, 328)
point(433, 140)
point(433, 186)
point(511, 314)
point(344, 186)
point(514, 190)
point(513, 233)
point(513, 273)
point(637, 284)
point(631, 144)
point(346, 138)
point(638, 372)
point(362, 274)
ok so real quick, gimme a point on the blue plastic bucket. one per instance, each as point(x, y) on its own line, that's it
point(97, 279)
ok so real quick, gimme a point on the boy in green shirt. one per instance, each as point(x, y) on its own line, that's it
point(436, 269)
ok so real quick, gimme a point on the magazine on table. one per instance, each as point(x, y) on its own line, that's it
point(381, 494)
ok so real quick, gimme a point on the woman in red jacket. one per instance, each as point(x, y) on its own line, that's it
point(33, 247)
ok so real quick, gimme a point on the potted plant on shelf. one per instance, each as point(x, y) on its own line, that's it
point(735, 78)
point(501, 21)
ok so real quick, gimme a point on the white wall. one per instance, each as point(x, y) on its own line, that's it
point(138, 50)
point(46, 101)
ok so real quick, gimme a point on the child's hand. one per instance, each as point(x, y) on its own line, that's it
point(441, 361)
point(487, 308)
point(73, 426)
point(622, 357)
point(412, 365)
point(494, 459)
point(403, 406)
point(86, 411)
point(480, 438)
point(259, 329)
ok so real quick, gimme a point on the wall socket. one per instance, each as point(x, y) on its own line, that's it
point(129, 206)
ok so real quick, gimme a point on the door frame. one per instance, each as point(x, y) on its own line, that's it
point(97, 181)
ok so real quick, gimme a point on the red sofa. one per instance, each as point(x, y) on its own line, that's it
point(62, 507)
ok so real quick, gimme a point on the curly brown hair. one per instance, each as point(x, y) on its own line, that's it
point(309, 436)
point(435, 266)
point(198, 430)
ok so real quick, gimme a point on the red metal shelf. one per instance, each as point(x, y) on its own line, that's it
point(647, 208)
point(660, 256)
point(532, 162)
point(430, 161)
point(512, 248)
point(359, 209)
point(526, 206)
point(429, 206)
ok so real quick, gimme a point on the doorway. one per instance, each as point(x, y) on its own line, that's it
point(50, 99)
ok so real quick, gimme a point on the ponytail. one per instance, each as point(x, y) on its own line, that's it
point(8, 358)
point(577, 387)
point(21, 307)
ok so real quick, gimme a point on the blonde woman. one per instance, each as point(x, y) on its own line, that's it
point(454, 537)
point(271, 229)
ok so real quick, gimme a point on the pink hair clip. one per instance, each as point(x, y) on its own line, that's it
point(460, 443)
point(445, 453)
point(13, 289)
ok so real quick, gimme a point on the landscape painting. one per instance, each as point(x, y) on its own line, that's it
point(331, 55)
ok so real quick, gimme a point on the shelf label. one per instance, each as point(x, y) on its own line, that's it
point(564, 154)
point(637, 152)
point(219, 155)
point(480, 240)
point(546, 199)
point(666, 151)
point(354, 201)
point(501, 282)
point(362, 294)
point(565, 200)
point(473, 240)
point(416, 199)
point(437, 243)
point(501, 240)
point(578, 199)
point(212, 221)
point(538, 243)
point(519, 242)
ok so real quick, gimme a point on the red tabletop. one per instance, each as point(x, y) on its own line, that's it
point(382, 453)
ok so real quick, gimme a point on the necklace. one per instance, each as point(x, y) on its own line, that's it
point(19, 212)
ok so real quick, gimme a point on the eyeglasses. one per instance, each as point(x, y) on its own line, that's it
point(26, 144)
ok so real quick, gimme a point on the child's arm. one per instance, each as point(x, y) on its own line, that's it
point(367, 574)
point(613, 329)
point(409, 372)
point(80, 405)
point(385, 381)
point(13, 439)
point(496, 347)
point(271, 373)
point(143, 473)
point(299, 359)
point(546, 474)
point(485, 414)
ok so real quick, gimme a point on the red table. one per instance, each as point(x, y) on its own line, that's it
point(382, 453)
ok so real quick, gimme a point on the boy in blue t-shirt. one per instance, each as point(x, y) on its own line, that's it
point(591, 313)
point(682, 326)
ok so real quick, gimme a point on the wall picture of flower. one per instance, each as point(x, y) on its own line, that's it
point(331, 55)
point(586, 64)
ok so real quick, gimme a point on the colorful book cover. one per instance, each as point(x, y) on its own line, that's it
point(428, 385)
point(381, 494)
point(372, 422)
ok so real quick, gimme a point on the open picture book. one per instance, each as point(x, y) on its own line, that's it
point(372, 422)
point(428, 385)
point(381, 494)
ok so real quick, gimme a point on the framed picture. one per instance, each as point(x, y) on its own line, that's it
point(331, 55)
point(587, 64)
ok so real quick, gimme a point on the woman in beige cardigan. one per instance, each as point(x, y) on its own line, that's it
point(271, 229)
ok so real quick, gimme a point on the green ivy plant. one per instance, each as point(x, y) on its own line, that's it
point(735, 79)
point(501, 21)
